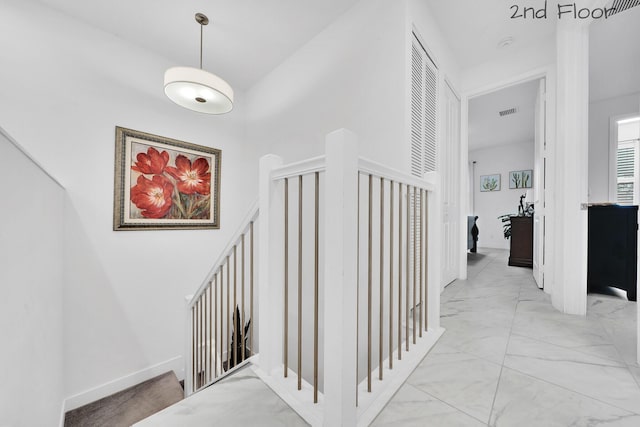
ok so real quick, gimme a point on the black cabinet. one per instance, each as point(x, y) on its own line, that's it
point(521, 254)
point(613, 248)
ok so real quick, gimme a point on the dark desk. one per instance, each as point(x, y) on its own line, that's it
point(521, 254)
point(613, 247)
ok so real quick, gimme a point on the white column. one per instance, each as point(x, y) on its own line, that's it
point(340, 293)
point(434, 248)
point(271, 266)
point(569, 293)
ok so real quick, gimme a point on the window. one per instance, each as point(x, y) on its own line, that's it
point(628, 161)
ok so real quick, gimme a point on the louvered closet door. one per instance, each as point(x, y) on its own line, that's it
point(424, 149)
point(424, 85)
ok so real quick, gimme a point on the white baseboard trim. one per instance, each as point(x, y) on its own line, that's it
point(63, 410)
point(77, 400)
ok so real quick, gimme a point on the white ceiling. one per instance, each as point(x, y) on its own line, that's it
point(487, 128)
point(244, 40)
point(473, 28)
point(614, 56)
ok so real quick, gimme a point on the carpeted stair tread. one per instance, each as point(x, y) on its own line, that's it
point(129, 406)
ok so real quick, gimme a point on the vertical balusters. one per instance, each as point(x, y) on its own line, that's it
point(200, 342)
point(242, 305)
point(215, 325)
point(415, 260)
point(194, 367)
point(221, 320)
point(300, 282)
point(251, 289)
point(381, 335)
point(421, 262)
point(286, 277)
point(358, 291)
point(426, 263)
point(236, 333)
point(369, 279)
point(210, 326)
point(316, 287)
point(399, 271)
point(407, 265)
point(229, 315)
point(391, 183)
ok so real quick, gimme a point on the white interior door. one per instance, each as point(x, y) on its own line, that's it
point(539, 185)
point(450, 172)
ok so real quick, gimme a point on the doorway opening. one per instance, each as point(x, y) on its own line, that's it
point(506, 171)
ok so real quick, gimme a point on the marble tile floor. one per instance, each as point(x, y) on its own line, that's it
point(507, 358)
point(241, 399)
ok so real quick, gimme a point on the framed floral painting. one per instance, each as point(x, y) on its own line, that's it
point(162, 183)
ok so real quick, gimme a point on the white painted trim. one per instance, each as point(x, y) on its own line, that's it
point(29, 156)
point(381, 171)
point(270, 261)
point(88, 396)
point(547, 72)
point(528, 76)
point(252, 215)
point(613, 148)
point(283, 388)
point(371, 404)
point(63, 411)
point(303, 167)
point(340, 278)
point(425, 46)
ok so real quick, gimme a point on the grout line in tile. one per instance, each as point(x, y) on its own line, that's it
point(495, 395)
point(572, 391)
point(451, 406)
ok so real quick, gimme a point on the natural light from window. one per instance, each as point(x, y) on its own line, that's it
point(628, 162)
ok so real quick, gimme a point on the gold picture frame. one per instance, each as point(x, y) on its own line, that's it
point(164, 184)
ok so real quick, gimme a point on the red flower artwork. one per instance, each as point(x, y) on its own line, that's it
point(153, 196)
point(191, 178)
point(152, 162)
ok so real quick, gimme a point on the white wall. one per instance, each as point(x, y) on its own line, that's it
point(351, 75)
point(31, 320)
point(489, 205)
point(66, 87)
point(600, 113)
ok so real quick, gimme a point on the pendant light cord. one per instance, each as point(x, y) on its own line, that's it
point(201, 46)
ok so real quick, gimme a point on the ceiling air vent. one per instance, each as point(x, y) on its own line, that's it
point(622, 5)
point(508, 112)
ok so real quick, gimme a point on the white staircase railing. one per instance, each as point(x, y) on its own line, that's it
point(348, 302)
point(221, 310)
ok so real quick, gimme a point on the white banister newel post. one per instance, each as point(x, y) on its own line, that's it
point(434, 247)
point(271, 265)
point(340, 272)
point(188, 353)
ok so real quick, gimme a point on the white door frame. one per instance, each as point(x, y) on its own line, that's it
point(539, 183)
point(547, 73)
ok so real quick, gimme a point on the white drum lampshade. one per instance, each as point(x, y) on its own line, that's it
point(198, 90)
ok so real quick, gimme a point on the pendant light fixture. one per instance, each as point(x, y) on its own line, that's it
point(197, 89)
